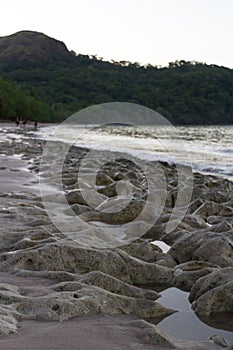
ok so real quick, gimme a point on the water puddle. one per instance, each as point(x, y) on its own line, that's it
point(185, 325)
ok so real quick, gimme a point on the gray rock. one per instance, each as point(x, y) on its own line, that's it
point(204, 246)
point(216, 339)
point(143, 250)
point(116, 286)
point(214, 280)
point(8, 321)
point(107, 283)
point(185, 279)
point(215, 302)
point(68, 257)
point(152, 335)
point(84, 301)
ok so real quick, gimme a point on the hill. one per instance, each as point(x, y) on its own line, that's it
point(184, 92)
point(31, 47)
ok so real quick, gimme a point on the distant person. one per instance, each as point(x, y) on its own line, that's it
point(17, 121)
point(35, 125)
point(24, 122)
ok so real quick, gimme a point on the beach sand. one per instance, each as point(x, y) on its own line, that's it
point(84, 333)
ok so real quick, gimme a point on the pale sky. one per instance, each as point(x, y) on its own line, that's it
point(144, 31)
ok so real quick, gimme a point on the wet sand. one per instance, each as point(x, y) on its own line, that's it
point(99, 332)
point(15, 175)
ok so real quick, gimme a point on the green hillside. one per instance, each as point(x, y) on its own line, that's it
point(16, 103)
point(184, 92)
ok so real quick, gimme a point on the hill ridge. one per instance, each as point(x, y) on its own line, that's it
point(31, 46)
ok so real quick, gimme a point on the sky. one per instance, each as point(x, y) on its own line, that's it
point(144, 31)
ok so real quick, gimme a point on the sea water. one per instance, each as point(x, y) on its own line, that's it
point(207, 149)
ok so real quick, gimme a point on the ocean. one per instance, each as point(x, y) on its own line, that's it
point(207, 149)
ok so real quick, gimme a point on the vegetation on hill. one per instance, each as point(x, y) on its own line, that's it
point(15, 103)
point(184, 92)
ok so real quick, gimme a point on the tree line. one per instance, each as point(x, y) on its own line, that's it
point(15, 103)
point(184, 92)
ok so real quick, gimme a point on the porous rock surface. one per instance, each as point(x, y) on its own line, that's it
point(87, 280)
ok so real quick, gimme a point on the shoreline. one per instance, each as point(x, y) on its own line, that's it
point(29, 215)
point(133, 153)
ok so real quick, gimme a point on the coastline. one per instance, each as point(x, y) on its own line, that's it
point(27, 232)
point(209, 154)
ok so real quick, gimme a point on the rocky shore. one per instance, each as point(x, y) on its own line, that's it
point(46, 276)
